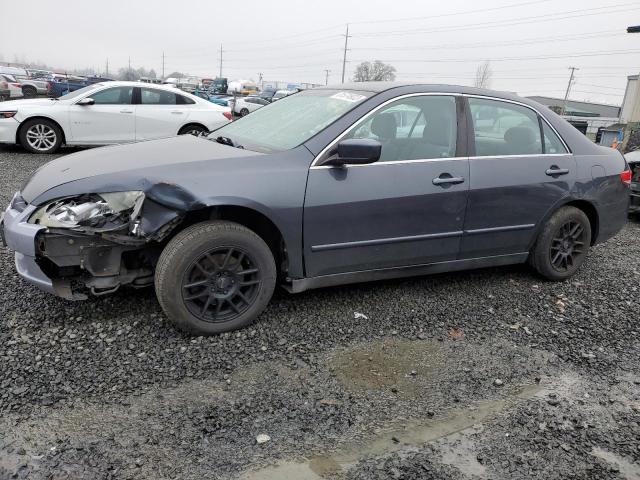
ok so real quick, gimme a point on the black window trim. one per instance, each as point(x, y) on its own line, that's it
point(541, 117)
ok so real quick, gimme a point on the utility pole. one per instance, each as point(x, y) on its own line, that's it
point(326, 77)
point(566, 95)
point(162, 66)
point(344, 57)
point(220, 60)
point(107, 68)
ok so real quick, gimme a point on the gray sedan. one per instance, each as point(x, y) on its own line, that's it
point(330, 186)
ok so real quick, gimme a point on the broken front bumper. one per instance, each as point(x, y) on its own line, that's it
point(20, 237)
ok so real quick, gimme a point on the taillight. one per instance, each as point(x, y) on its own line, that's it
point(4, 85)
point(625, 177)
point(8, 114)
point(228, 115)
point(17, 85)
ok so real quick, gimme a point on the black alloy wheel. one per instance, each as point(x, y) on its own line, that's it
point(221, 284)
point(215, 276)
point(567, 246)
point(562, 245)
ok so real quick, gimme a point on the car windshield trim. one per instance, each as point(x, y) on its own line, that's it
point(292, 120)
point(81, 91)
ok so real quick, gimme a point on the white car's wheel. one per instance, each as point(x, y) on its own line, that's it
point(40, 136)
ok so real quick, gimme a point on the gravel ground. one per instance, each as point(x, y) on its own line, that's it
point(490, 374)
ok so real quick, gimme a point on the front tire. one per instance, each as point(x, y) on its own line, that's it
point(214, 277)
point(40, 136)
point(562, 245)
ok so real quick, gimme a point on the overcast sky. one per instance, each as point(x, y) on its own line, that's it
point(530, 44)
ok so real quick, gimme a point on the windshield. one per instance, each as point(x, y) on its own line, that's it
point(79, 92)
point(291, 121)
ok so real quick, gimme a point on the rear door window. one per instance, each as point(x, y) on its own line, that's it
point(552, 143)
point(151, 96)
point(503, 128)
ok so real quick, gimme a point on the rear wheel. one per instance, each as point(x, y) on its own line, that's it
point(29, 91)
point(214, 277)
point(40, 136)
point(562, 245)
point(244, 112)
point(196, 130)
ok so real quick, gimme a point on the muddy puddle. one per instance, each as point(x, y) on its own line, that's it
point(455, 428)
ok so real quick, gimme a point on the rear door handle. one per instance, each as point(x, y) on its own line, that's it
point(176, 112)
point(126, 111)
point(446, 179)
point(554, 170)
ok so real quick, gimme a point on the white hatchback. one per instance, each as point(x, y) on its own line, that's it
point(107, 113)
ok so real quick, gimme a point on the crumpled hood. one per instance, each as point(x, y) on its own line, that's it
point(123, 158)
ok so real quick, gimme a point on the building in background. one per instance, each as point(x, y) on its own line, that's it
point(631, 102)
point(588, 117)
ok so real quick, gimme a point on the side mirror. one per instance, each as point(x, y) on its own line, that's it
point(86, 101)
point(355, 151)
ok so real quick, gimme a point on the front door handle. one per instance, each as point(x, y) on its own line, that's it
point(176, 112)
point(446, 179)
point(554, 170)
point(126, 111)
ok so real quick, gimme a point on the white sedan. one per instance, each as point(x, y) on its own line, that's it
point(107, 113)
point(246, 105)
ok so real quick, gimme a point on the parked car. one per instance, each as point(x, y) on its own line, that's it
point(243, 87)
point(187, 84)
point(30, 86)
point(319, 189)
point(245, 105)
point(64, 84)
point(106, 113)
point(281, 94)
point(633, 159)
point(10, 87)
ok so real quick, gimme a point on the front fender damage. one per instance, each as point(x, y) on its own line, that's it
point(101, 260)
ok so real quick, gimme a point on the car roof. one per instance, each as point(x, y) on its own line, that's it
point(416, 87)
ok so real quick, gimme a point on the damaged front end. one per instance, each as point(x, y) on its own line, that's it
point(98, 242)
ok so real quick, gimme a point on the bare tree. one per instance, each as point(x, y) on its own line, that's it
point(376, 72)
point(483, 75)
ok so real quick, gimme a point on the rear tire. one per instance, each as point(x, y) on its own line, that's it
point(214, 277)
point(29, 92)
point(562, 245)
point(195, 130)
point(244, 112)
point(40, 136)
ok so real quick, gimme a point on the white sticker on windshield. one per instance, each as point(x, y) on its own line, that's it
point(348, 96)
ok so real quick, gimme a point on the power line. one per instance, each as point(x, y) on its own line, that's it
point(531, 41)
point(452, 14)
point(509, 59)
point(509, 22)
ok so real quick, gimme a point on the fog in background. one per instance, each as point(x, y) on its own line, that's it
point(530, 44)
